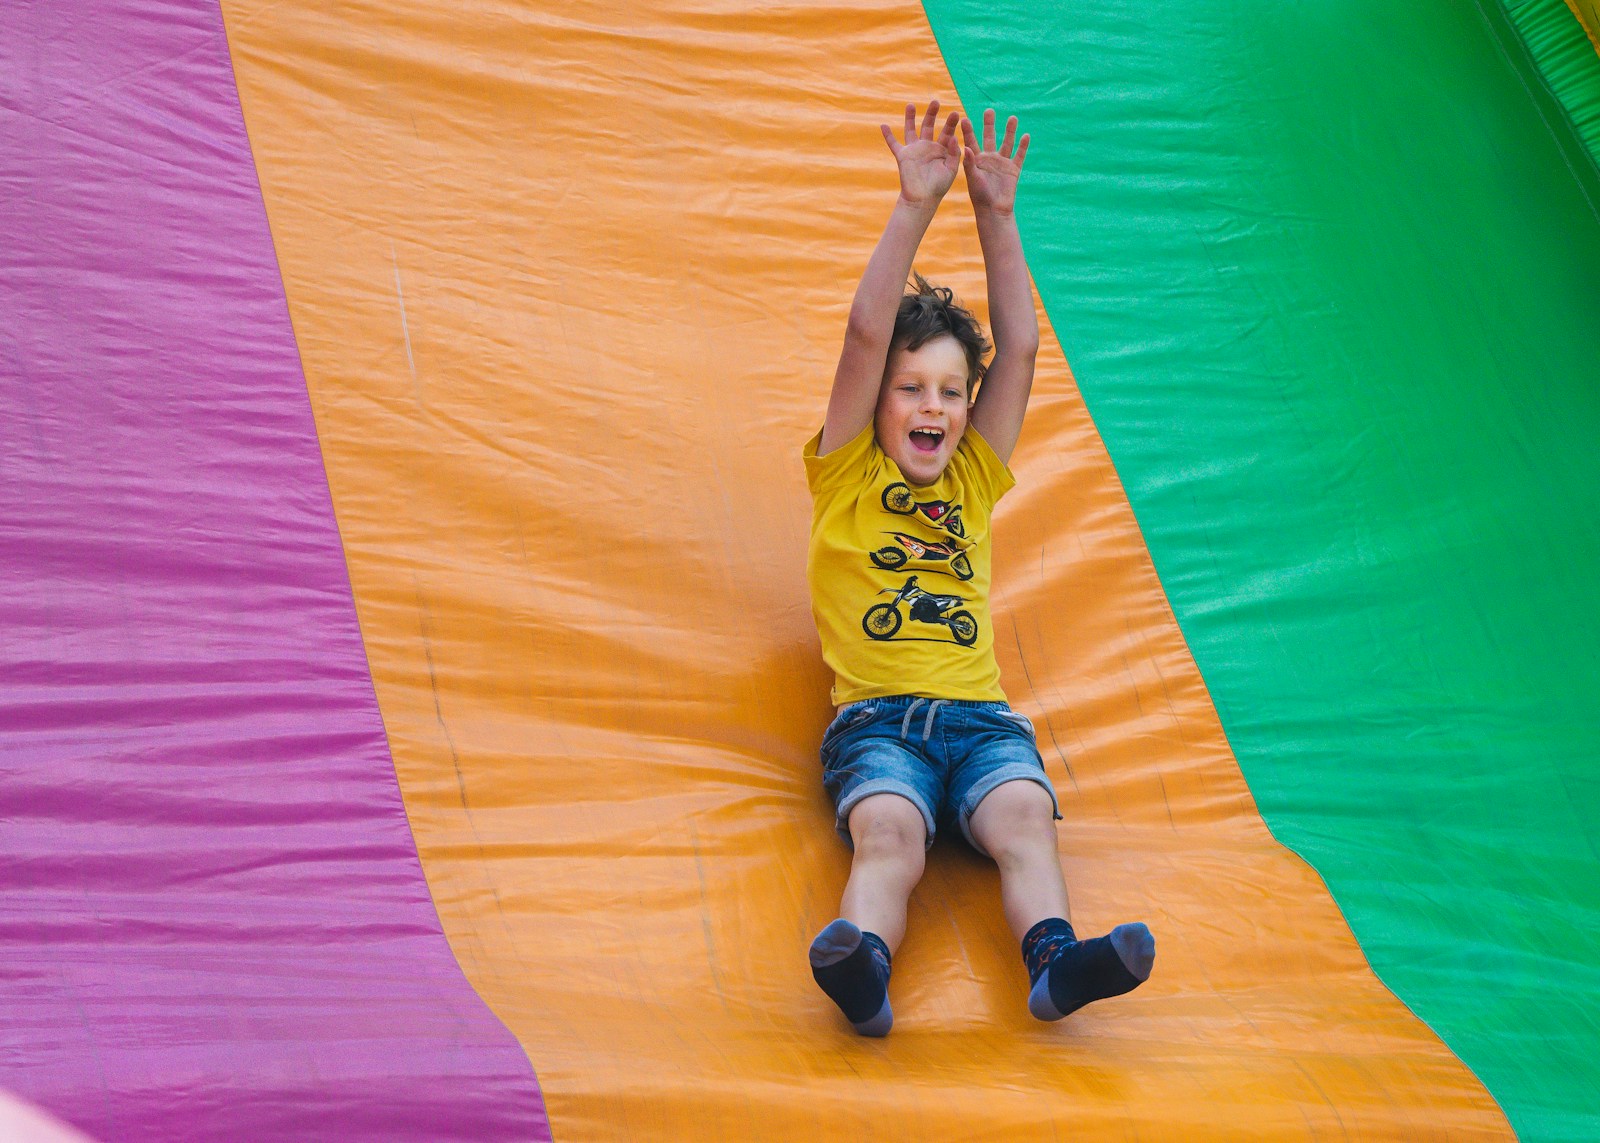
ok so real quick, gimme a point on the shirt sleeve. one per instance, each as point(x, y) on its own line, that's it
point(981, 469)
point(850, 463)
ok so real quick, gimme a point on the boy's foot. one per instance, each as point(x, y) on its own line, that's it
point(1068, 973)
point(853, 969)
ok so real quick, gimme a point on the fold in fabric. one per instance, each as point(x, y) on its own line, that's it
point(569, 283)
point(1328, 275)
point(214, 923)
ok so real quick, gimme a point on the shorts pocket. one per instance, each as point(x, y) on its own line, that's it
point(849, 718)
point(858, 713)
point(1022, 721)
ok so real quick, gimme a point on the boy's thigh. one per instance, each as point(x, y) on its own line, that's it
point(997, 747)
point(862, 755)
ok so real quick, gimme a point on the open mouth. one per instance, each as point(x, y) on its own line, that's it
point(926, 440)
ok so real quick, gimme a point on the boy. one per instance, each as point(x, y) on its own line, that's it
point(903, 476)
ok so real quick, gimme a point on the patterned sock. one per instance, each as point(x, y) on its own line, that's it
point(853, 969)
point(1068, 973)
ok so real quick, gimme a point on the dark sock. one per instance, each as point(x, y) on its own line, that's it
point(853, 969)
point(1068, 973)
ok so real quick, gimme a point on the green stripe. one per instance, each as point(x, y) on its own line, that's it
point(1328, 276)
point(1565, 58)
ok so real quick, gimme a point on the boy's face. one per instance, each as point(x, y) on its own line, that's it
point(922, 407)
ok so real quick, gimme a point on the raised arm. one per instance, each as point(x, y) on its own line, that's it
point(992, 175)
point(928, 166)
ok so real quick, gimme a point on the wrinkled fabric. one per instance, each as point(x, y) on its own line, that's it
point(1559, 35)
point(213, 924)
point(1329, 275)
point(569, 281)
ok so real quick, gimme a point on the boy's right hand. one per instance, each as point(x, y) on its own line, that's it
point(928, 165)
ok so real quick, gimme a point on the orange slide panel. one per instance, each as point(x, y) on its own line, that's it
point(568, 282)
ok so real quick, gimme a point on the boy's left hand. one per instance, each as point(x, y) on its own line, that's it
point(992, 172)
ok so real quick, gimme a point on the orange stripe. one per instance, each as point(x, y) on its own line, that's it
point(568, 283)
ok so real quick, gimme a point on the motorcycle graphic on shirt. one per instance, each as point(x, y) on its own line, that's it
point(882, 620)
point(893, 557)
point(899, 499)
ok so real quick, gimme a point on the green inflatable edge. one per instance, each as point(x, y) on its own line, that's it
point(1566, 60)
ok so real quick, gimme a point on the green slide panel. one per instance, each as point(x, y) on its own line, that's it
point(1328, 276)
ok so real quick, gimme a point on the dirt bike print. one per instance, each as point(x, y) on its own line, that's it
point(898, 498)
point(882, 620)
point(893, 558)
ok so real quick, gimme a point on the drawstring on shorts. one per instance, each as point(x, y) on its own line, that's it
point(927, 723)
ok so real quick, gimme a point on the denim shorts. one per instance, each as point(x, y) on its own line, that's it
point(943, 755)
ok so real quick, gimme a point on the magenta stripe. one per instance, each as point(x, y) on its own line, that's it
point(213, 922)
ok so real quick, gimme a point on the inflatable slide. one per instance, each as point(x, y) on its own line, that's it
point(409, 699)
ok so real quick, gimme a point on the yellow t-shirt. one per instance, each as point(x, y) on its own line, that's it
point(900, 574)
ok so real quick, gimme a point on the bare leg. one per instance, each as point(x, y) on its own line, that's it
point(850, 958)
point(890, 841)
point(1016, 824)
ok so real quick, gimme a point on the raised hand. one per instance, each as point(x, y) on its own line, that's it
point(992, 172)
point(928, 165)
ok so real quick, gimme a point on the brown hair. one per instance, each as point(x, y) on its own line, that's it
point(930, 311)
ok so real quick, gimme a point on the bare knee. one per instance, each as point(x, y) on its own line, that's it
point(888, 827)
point(1016, 823)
